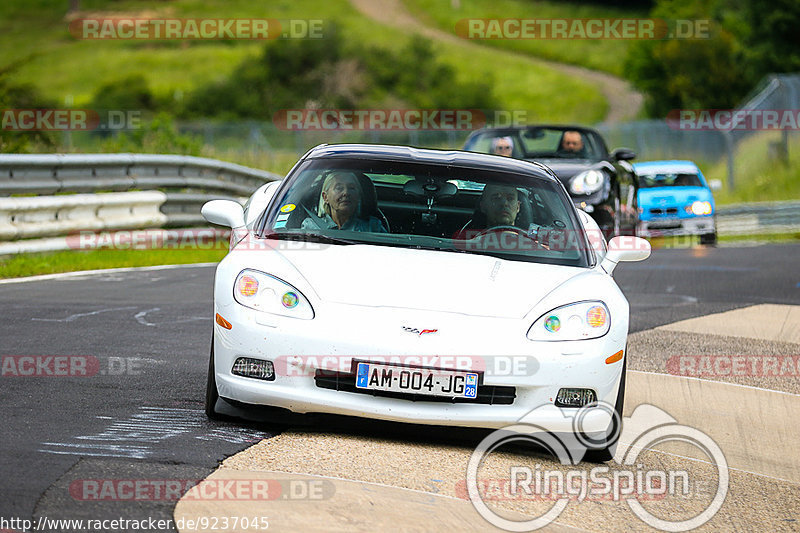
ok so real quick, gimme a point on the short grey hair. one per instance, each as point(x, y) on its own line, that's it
point(497, 140)
point(323, 208)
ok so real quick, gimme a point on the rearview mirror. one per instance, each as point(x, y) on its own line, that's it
point(224, 213)
point(625, 248)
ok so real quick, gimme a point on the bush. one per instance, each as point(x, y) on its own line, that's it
point(749, 39)
point(22, 97)
point(321, 73)
point(130, 93)
point(159, 136)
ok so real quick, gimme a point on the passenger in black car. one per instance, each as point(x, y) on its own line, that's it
point(503, 146)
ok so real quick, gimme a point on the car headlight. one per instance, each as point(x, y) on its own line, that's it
point(587, 182)
point(573, 322)
point(699, 208)
point(263, 292)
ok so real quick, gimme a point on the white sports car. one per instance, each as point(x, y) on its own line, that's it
point(424, 286)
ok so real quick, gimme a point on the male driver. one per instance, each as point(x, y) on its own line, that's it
point(500, 205)
point(571, 142)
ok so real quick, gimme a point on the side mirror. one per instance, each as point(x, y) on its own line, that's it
point(625, 248)
point(715, 185)
point(623, 154)
point(224, 213)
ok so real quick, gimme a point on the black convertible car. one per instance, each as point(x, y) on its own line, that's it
point(601, 183)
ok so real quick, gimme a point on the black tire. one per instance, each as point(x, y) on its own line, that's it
point(709, 238)
point(601, 455)
point(212, 395)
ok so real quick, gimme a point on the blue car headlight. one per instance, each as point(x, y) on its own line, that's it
point(699, 208)
point(573, 322)
point(263, 292)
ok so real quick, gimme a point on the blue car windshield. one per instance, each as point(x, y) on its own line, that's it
point(669, 180)
point(428, 206)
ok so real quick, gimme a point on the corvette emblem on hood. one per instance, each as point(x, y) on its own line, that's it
point(418, 331)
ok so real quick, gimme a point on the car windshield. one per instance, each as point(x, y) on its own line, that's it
point(428, 206)
point(540, 143)
point(669, 180)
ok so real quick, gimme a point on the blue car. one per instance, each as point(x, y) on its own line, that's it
point(675, 199)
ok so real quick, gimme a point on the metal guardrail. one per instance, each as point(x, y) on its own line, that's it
point(759, 218)
point(48, 216)
point(188, 181)
point(58, 173)
point(184, 184)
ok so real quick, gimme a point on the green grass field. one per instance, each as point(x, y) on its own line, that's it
point(34, 36)
point(757, 177)
point(68, 261)
point(597, 54)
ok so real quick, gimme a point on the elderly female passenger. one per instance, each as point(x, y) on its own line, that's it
point(340, 206)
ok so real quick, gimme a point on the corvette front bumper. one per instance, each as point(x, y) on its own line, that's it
point(496, 347)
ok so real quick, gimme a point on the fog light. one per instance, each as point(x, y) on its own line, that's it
point(253, 368)
point(575, 397)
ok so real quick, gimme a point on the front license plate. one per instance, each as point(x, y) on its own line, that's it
point(411, 380)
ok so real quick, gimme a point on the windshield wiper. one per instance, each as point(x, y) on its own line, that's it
point(435, 248)
point(309, 237)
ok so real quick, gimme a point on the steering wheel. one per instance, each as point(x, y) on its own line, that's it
point(498, 229)
point(513, 229)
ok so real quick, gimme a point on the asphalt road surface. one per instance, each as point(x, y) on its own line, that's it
point(144, 338)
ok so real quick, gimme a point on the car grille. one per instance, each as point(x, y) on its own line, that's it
point(657, 211)
point(346, 382)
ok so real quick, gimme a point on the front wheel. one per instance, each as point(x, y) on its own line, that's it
point(601, 455)
point(212, 395)
point(709, 238)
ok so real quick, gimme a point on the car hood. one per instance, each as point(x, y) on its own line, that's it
point(672, 196)
point(472, 284)
point(566, 168)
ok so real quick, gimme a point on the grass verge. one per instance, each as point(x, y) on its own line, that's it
point(597, 54)
point(71, 260)
point(759, 177)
